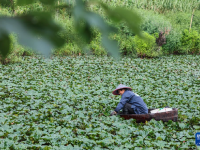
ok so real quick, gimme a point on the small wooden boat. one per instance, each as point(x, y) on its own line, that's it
point(164, 116)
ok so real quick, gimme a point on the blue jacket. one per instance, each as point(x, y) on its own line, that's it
point(135, 100)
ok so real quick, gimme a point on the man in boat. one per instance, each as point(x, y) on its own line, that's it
point(130, 102)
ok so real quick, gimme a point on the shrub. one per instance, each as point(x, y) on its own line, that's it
point(126, 44)
point(173, 42)
point(17, 50)
point(68, 49)
point(15, 53)
point(69, 34)
point(190, 42)
point(182, 20)
point(195, 21)
point(5, 12)
point(147, 47)
point(179, 20)
point(154, 23)
point(95, 45)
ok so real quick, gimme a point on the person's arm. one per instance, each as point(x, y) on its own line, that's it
point(125, 98)
point(113, 113)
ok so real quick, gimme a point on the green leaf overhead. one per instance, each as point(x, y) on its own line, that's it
point(86, 20)
point(49, 2)
point(41, 23)
point(120, 14)
point(6, 3)
point(24, 2)
point(36, 31)
point(5, 43)
point(111, 46)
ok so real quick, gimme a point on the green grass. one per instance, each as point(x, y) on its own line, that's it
point(61, 103)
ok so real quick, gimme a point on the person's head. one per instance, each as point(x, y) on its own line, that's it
point(121, 91)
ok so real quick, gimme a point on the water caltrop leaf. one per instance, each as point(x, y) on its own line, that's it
point(2, 93)
point(46, 101)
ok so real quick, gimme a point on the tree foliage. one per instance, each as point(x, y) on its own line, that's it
point(38, 30)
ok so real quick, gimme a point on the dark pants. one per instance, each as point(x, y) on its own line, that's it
point(127, 109)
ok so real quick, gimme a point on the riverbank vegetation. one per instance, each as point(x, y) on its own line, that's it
point(170, 27)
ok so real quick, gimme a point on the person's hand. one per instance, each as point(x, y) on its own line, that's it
point(113, 113)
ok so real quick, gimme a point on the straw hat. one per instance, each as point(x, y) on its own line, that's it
point(121, 86)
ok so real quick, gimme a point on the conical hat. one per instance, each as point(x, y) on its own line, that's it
point(121, 86)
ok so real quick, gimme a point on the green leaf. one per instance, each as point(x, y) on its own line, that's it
point(120, 14)
point(36, 31)
point(196, 127)
point(2, 93)
point(6, 3)
point(5, 43)
point(111, 46)
point(48, 2)
point(182, 125)
point(86, 20)
point(41, 23)
point(24, 2)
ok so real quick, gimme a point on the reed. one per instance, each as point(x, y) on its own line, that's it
point(160, 6)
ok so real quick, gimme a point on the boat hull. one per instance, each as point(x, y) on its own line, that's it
point(164, 116)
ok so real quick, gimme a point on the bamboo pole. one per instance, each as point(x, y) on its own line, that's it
point(191, 20)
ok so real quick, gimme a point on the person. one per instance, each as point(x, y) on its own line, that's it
point(130, 102)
